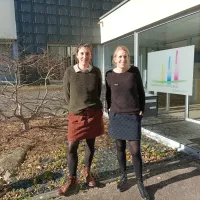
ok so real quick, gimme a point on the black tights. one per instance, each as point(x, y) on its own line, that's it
point(136, 156)
point(73, 157)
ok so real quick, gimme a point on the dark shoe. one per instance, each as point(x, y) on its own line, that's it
point(143, 192)
point(88, 177)
point(122, 183)
point(71, 185)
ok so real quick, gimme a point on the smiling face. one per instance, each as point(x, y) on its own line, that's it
point(84, 56)
point(121, 59)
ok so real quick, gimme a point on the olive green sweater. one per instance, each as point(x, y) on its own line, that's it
point(82, 90)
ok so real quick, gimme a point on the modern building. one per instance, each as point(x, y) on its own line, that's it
point(7, 21)
point(8, 32)
point(56, 25)
point(152, 26)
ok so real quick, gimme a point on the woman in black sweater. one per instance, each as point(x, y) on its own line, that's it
point(125, 102)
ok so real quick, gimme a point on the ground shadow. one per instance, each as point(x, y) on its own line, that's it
point(152, 189)
point(130, 183)
point(85, 186)
point(41, 179)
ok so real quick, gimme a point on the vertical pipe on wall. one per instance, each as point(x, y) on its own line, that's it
point(72, 55)
point(186, 114)
point(103, 64)
point(103, 78)
point(136, 49)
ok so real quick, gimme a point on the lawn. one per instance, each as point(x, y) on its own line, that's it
point(45, 166)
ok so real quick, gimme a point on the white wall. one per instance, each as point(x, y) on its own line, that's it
point(7, 20)
point(138, 13)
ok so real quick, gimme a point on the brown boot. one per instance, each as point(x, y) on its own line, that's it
point(72, 184)
point(88, 177)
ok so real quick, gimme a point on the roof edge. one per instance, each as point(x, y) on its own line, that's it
point(113, 9)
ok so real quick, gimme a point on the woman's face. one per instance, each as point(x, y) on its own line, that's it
point(121, 59)
point(84, 56)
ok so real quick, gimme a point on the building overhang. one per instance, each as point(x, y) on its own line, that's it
point(135, 15)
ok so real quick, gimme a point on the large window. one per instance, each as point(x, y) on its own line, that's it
point(194, 100)
point(5, 56)
point(6, 48)
point(64, 54)
point(109, 50)
point(178, 33)
point(67, 55)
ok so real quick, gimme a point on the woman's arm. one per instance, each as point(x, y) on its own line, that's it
point(141, 92)
point(99, 83)
point(66, 86)
point(108, 92)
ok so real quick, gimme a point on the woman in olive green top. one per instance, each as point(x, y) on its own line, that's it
point(82, 88)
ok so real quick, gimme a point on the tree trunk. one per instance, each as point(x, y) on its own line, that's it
point(26, 125)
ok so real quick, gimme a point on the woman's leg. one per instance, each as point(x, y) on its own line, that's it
point(72, 157)
point(72, 165)
point(137, 163)
point(136, 157)
point(121, 154)
point(89, 152)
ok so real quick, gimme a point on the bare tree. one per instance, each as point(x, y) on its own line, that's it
point(24, 99)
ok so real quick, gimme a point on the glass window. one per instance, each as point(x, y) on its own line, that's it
point(109, 50)
point(5, 55)
point(194, 100)
point(175, 34)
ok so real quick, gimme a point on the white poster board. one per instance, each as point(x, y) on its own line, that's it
point(171, 71)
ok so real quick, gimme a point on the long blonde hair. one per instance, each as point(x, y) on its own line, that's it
point(120, 48)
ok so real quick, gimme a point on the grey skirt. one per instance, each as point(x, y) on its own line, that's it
point(125, 126)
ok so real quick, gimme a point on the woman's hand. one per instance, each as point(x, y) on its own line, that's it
point(141, 113)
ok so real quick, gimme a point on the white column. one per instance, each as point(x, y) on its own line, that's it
point(186, 114)
point(72, 52)
point(186, 107)
point(167, 102)
point(15, 55)
point(15, 49)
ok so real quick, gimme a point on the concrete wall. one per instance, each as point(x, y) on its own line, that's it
point(7, 20)
point(136, 14)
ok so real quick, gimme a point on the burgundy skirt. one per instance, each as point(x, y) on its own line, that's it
point(86, 125)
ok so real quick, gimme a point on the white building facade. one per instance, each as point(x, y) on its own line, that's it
point(7, 20)
point(8, 32)
point(151, 26)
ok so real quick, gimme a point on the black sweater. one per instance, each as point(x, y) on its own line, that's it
point(125, 92)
